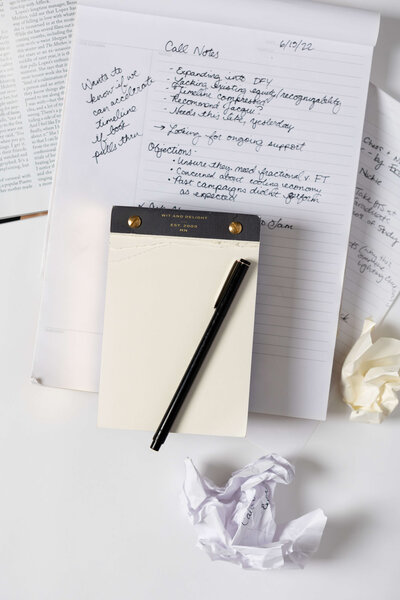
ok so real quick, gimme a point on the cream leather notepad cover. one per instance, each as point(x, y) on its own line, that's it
point(162, 283)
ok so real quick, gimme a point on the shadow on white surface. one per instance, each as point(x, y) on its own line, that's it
point(343, 531)
point(343, 534)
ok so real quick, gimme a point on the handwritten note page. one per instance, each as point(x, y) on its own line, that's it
point(372, 278)
point(193, 115)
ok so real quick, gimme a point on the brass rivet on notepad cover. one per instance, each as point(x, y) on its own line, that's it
point(134, 222)
point(235, 227)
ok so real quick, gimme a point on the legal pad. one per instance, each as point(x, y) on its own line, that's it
point(165, 271)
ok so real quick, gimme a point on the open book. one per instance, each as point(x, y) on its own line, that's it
point(206, 116)
point(35, 40)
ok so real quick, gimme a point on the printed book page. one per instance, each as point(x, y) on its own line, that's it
point(35, 39)
point(194, 115)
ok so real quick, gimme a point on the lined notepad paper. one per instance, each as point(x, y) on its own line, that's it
point(372, 280)
point(193, 115)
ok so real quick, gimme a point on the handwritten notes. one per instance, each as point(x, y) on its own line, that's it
point(372, 279)
point(112, 98)
point(248, 132)
point(205, 116)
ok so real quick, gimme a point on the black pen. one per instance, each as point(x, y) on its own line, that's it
point(221, 307)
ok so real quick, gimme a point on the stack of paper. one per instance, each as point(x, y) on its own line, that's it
point(203, 116)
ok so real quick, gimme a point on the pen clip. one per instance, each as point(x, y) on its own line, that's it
point(227, 281)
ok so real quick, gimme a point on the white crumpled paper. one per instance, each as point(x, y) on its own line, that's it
point(371, 376)
point(237, 522)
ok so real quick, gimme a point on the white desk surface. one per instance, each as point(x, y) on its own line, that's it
point(90, 514)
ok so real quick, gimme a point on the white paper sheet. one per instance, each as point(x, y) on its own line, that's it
point(390, 324)
point(272, 119)
point(237, 523)
point(285, 435)
point(372, 279)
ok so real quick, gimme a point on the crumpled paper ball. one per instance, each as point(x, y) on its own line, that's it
point(236, 523)
point(371, 376)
